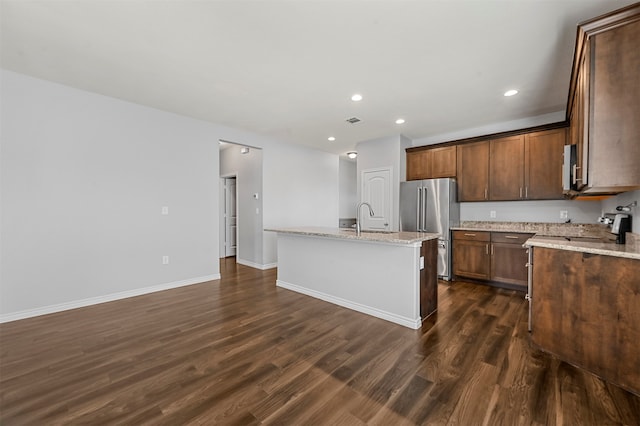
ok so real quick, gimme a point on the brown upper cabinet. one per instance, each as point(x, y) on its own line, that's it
point(418, 165)
point(521, 167)
point(604, 102)
point(473, 171)
point(543, 164)
point(506, 168)
point(431, 163)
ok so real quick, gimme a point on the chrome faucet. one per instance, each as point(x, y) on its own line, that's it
point(371, 213)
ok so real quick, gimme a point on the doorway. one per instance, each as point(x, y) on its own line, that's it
point(230, 235)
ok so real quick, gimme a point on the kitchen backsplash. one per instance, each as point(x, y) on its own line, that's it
point(532, 211)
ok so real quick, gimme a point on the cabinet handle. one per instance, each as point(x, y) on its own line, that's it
point(470, 235)
point(575, 174)
point(492, 249)
point(520, 192)
point(486, 248)
point(485, 192)
point(526, 192)
point(511, 237)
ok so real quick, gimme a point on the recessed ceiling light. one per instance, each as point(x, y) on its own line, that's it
point(331, 138)
point(356, 98)
point(352, 154)
point(511, 92)
point(400, 121)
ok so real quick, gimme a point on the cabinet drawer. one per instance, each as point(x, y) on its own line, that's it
point(472, 235)
point(510, 237)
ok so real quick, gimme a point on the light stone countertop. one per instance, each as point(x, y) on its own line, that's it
point(604, 248)
point(404, 238)
point(559, 236)
point(538, 228)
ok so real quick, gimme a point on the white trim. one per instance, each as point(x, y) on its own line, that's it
point(388, 316)
point(256, 265)
point(14, 316)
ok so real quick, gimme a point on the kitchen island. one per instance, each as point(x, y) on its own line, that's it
point(389, 275)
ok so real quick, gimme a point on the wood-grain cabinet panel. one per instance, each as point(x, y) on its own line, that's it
point(473, 171)
point(585, 311)
point(431, 163)
point(506, 176)
point(491, 256)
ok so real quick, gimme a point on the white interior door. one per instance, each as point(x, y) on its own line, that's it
point(376, 190)
point(230, 217)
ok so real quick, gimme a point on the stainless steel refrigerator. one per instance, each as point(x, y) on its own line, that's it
point(431, 206)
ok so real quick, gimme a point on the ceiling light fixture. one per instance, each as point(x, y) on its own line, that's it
point(352, 154)
point(511, 92)
point(400, 121)
point(331, 138)
point(356, 98)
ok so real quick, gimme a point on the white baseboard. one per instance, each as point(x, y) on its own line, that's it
point(14, 316)
point(256, 265)
point(388, 316)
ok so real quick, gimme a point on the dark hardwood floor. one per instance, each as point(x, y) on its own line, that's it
point(241, 351)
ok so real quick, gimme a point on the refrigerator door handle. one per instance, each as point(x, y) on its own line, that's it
point(423, 200)
point(418, 212)
point(423, 225)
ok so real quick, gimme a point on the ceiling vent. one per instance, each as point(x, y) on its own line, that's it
point(353, 120)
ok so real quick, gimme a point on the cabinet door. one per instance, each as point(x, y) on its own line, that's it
point(473, 171)
point(579, 119)
point(471, 259)
point(508, 263)
point(614, 128)
point(443, 162)
point(418, 164)
point(506, 178)
point(543, 165)
point(585, 311)
point(429, 278)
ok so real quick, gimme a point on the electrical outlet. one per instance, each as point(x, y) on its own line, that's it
point(165, 260)
point(165, 210)
point(564, 214)
point(492, 214)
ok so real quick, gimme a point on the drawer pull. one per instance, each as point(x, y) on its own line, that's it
point(469, 235)
point(511, 237)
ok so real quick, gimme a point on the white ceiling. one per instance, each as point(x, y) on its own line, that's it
point(287, 69)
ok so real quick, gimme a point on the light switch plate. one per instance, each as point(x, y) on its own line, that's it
point(492, 214)
point(564, 214)
point(165, 210)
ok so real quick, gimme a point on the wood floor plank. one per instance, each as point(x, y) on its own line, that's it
point(242, 351)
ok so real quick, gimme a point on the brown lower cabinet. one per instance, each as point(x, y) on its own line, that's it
point(429, 279)
point(492, 256)
point(585, 309)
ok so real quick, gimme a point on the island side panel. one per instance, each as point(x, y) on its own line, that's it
point(429, 278)
point(379, 279)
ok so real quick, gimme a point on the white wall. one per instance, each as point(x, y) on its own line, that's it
point(348, 182)
point(609, 206)
point(300, 189)
point(383, 152)
point(489, 129)
point(84, 178)
point(248, 171)
point(532, 211)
